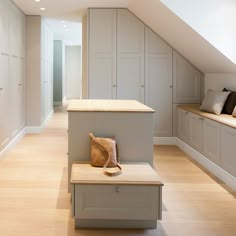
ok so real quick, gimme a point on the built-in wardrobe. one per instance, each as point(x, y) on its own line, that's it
point(12, 71)
point(127, 60)
point(26, 72)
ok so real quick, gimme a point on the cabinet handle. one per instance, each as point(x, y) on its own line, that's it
point(142, 86)
point(200, 118)
point(113, 85)
point(1, 89)
point(171, 86)
point(20, 84)
point(117, 190)
point(186, 112)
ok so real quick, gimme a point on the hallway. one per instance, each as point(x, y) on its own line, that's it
point(34, 199)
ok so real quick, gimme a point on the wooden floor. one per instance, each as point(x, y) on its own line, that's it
point(34, 199)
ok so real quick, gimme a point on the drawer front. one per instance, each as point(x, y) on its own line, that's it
point(117, 202)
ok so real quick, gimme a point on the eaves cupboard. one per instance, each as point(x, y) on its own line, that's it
point(210, 135)
point(127, 60)
point(12, 71)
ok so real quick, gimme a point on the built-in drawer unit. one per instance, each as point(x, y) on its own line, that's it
point(130, 200)
point(116, 202)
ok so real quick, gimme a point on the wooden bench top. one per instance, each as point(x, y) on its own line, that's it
point(132, 174)
point(223, 118)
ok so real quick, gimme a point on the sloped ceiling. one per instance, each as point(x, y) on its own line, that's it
point(154, 14)
point(181, 36)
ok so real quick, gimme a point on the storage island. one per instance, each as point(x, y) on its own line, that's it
point(130, 200)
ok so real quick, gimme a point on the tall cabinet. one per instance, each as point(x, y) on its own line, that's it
point(158, 82)
point(39, 71)
point(12, 71)
point(130, 56)
point(127, 60)
point(102, 54)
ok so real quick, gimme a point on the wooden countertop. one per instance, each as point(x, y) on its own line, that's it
point(223, 118)
point(91, 105)
point(135, 174)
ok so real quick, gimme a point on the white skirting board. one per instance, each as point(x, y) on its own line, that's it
point(164, 140)
point(38, 129)
point(13, 142)
point(209, 165)
point(20, 135)
point(201, 159)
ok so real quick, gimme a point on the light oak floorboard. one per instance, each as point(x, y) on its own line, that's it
point(34, 200)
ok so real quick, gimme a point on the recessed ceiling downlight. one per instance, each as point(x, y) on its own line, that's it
point(42, 9)
point(37, 0)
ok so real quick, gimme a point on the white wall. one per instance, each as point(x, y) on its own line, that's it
point(215, 20)
point(73, 72)
point(181, 36)
point(219, 81)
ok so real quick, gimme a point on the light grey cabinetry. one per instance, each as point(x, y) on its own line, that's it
point(116, 55)
point(4, 101)
point(211, 140)
point(4, 21)
point(102, 54)
point(130, 56)
point(186, 80)
point(228, 144)
point(183, 125)
point(196, 131)
point(158, 82)
point(12, 67)
point(215, 140)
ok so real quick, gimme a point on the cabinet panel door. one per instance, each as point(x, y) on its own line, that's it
point(4, 26)
point(14, 29)
point(22, 34)
point(183, 125)
point(211, 140)
point(4, 101)
point(158, 82)
point(228, 144)
point(186, 80)
point(116, 202)
point(130, 56)
point(196, 132)
point(102, 54)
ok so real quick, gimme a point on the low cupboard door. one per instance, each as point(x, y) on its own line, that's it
point(102, 54)
point(158, 82)
point(228, 145)
point(183, 125)
point(130, 56)
point(196, 132)
point(186, 79)
point(211, 140)
point(4, 101)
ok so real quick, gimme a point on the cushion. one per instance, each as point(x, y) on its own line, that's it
point(230, 102)
point(214, 101)
point(234, 112)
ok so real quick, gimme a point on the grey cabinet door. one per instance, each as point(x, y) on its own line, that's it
point(183, 125)
point(228, 144)
point(102, 54)
point(4, 101)
point(186, 81)
point(158, 82)
point(130, 56)
point(211, 140)
point(196, 132)
point(4, 47)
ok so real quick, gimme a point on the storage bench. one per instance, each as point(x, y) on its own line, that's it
point(130, 200)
